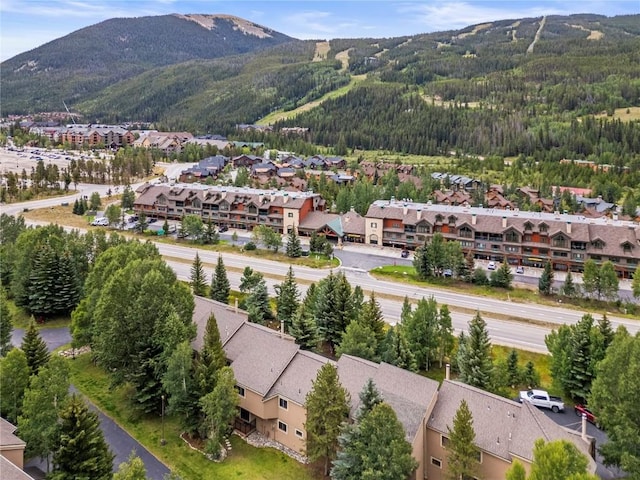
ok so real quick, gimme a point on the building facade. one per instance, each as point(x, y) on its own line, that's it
point(234, 207)
point(273, 377)
point(512, 236)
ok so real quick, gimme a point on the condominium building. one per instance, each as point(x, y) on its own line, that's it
point(513, 236)
point(233, 207)
point(274, 375)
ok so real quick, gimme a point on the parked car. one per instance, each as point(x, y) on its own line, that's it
point(520, 270)
point(447, 272)
point(591, 418)
point(542, 399)
point(223, 228)
point(100, 222)
point(491, 266)
point(404, 253)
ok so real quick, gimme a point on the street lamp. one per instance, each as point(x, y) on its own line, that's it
point(163, 442)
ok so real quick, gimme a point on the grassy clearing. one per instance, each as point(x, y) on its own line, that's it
point(281, 114)
point(20, 318)
point(528, 294)
point(626, 114)
point(61, 215)
point(391, 157)
point(244, 461)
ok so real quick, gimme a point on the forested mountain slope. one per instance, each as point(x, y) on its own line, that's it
point(80, 65)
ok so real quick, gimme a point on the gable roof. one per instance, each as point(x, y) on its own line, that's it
point(503, 428)
point(408, 393)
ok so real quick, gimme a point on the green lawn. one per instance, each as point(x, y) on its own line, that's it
point(244, 461)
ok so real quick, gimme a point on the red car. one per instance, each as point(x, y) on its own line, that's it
point(581, 409)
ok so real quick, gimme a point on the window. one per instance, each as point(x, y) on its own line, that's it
point(240, 390)
point(528, 226)
point(424, 229)
point(465, 232)
point(544, 228)
point(374, 225)
point(560, 242)
point(299, 433)
point(245, 415)
point(512, 237)
point(282, 426)
point(290, 214)
point(283, 403)
point(444, 441)
point(512, 249)
point(437, 462)
point(479, 456)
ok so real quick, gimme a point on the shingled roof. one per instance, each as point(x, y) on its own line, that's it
point(503, 428)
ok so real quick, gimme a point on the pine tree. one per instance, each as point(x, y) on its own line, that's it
point(220, 286)
point(421, 330)
point(581, 374)
point(470, 266)
point(475, 364)
point(369, 397)
point(249, 279)
point(257, 302)
point(406, 310)
point(327, 405)
point(530, 377)
point(287, 300)
point(211, 358)
point(463, 454)
point(396, 350)
point(569, 288)
point(304, 329)
point(513, 372)
point(358, 340)
point(294, 247)
point(6, 325)
point(198, 279)
point(82, 451)
point(446, 340)
point(371, 316)
point(219, 408)
point(502, 277)
point(34, 348)
point(545, 282)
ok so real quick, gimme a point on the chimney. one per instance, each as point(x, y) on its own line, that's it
point(419, 213)
point(584, 427)
point(447, 370)
point(281, 328)
point(504, 221)
point(569, 228)
point(474, 219)
point(405, 209)
point(235, 307)
point(285, 198)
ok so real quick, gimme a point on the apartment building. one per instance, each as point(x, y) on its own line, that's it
point(234, 207)
point(273, 377)
point(110, 136)
point(513, 236)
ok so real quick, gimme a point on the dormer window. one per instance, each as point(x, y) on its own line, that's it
point(512, 237)
point(560, 241)
point(544, 228)
point(452, 220)
point(528, 226)
point(439, 218)
point(598, 244)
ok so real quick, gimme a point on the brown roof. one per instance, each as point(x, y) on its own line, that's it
point(297, 379)
point(317, 220)
point(7, 438)
point(503, 428)
point(408, 393)
point(10, 471)
point(353, 223)
point(612, 233)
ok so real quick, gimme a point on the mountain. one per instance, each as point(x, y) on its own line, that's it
point(80, 65)
point(507, 87)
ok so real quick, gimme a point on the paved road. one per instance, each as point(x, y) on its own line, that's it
point(120, 442)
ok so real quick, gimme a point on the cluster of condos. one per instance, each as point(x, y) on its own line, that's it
point(273, 377)
point(512, 236)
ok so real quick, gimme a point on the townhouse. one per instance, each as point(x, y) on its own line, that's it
point(273, 377)
point(513, 236)
point(234, 207)
point(11, 453)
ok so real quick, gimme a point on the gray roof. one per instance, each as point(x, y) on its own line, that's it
point(10, 471)
point(297, 379)
point(258, 356)
point(7, 437)
point(228, 319)
point(408, 393)
point(503, 428)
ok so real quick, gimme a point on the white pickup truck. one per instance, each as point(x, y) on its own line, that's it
point(542, 399)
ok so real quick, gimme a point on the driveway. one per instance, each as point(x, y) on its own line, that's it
point(119, 441)
point(569, 420)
